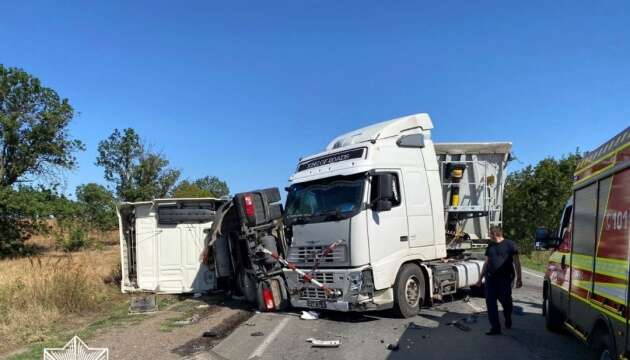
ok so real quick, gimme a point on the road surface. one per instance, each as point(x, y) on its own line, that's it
point(283, 336)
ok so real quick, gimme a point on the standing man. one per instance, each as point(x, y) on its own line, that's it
point(501, 259)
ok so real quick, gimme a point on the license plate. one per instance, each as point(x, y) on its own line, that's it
point(318, 304)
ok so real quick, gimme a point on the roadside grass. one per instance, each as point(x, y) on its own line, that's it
point(42, 297)
point(536, 260)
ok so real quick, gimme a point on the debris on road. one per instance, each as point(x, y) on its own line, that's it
point(203, 306)
point(309, 315)
point(459, 325)
point(210, 334)
point(393, 347)
point(143, 304)
point(323, 343)
point(257, 333)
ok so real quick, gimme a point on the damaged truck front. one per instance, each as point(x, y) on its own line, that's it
point(177, 246)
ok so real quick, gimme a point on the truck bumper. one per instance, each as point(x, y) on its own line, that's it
point(355, 286)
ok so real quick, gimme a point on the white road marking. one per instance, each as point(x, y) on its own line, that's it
point(532, 274)
point(269, 339)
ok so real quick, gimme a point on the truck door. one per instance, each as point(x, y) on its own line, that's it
point(419, 212)
point(387, 230)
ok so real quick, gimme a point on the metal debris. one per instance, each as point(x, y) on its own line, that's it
point(323, 343)
point(459, 325)
point(309, 315)
point(143, 304)
point(257, 333)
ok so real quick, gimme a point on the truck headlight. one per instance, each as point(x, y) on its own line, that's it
point(356, 282)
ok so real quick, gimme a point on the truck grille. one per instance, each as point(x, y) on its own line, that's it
point(312, 293)
point(324, 278)
point(308, 255)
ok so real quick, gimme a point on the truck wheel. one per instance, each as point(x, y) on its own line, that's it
point(409, 290)
point(553, 317)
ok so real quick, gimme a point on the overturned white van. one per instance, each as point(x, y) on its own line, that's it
point(161, 242)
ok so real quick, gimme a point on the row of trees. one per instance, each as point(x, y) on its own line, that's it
point(36, 147)
point(535, 197)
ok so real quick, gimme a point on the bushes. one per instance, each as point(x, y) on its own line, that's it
point(27, 211)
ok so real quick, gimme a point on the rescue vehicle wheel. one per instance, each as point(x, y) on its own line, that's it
point(603, 347)
point(553, 316)
point(409, 290)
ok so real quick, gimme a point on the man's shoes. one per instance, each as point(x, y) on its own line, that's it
point(508, 323)
point(494, 332)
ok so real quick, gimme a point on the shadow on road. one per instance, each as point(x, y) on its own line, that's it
point(462, 336)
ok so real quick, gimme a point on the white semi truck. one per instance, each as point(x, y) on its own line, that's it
point(401, 211)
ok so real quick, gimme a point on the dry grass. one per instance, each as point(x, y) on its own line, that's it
point(43, 294)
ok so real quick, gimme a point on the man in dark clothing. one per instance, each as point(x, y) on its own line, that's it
point(498, 270)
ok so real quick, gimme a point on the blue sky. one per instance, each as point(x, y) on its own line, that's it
point(241, 90)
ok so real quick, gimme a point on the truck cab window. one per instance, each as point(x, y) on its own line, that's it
point(395, 187)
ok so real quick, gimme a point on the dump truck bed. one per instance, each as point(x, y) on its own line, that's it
point(481, 188)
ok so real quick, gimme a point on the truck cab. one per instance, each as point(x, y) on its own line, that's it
point(367, 218)
point(376, 190)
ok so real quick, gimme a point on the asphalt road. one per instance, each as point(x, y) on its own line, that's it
point(430, 337)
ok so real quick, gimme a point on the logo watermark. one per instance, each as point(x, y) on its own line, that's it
point(76, 349)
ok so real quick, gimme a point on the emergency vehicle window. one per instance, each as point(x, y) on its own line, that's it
point(395, 188)
point(584, 215)
point(566, 221)
point(604, 189)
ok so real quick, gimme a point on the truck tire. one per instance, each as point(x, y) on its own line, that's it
point(553, 317)
point(409, 290)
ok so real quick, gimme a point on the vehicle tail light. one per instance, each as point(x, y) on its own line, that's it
point(250, 211)
point(268, 299)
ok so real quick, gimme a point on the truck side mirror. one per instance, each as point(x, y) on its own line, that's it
point(544, 240)
point(382, 205)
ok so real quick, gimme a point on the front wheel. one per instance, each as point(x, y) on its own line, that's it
point(409, 290)
point(553, 316)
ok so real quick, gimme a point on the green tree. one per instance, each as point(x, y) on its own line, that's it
point(34, 138)
point(34, 144)
point(535, 196)
point(208, 186)
point(98, 206)
point(136, 173)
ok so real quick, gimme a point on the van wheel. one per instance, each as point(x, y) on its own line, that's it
point(603, 347)
point(409, 291)
point(553, 316)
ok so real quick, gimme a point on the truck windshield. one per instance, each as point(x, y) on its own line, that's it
point(325, 200)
